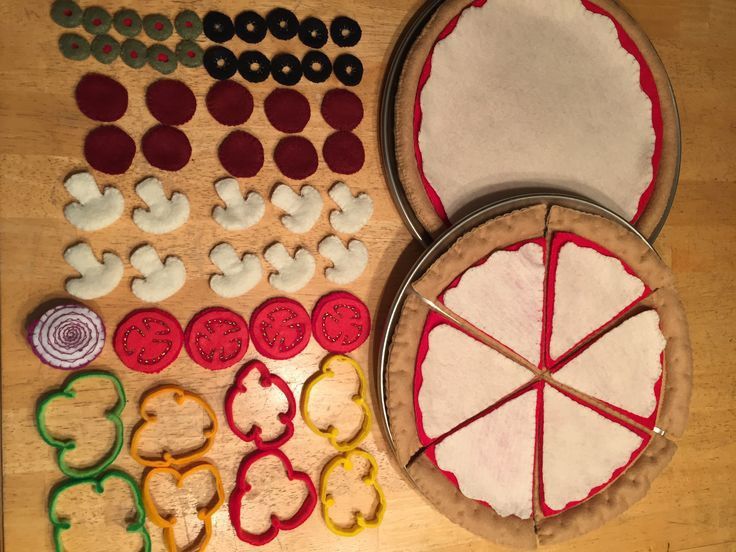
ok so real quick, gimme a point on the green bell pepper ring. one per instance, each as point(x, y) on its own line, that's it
point(66, 445)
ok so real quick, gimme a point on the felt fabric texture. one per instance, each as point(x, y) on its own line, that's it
point(341, 322)
point(229, 103)
point(250, 27)
point(97, 278)
point(348, 69)
point(343, 152)
point(354, 212)
point(109, 149)
point(101, 98)
point(287, 110)
point(238, 275)
point(161, 58)
point(313, 32)
point(296, 157)
point(254, 66)
point(166, 148)
point(280, 328)
point(93, 209)
point(74, 46)
point(342, 109)
point(302, 209)
point(345, 31)
point(189, 53)
point(160, 279)
point(188, 24)
point(216, 338)
point(241, 154)
point(239, 212)
point(127, 22)
point(282, 23)
point(316, 66)
point(348, 263)
point(286, 69)
point(148, 340)
point(218, 27)
point(105, 49)
point(163, 214)
point(292, 273)
point(220, 63)
point(171, 101)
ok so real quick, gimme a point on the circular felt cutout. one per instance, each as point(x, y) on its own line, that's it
point(280, 328)
point(343, 152)
point(66, 13)
point(295, 157)
point(345, 32)
point(316, 66)
point(254, 66)
point(162, 59)
point(220, 62)
point(216, 338)
point(189, 53)
point(171, 101)
point(287, 110)
point(340, 322)
point(241, 154)
point(134, 53)
point(348, 69)
point(188, 25)
point(127, 23)
point(286, 69)
point(166, 148)
point(229, 103)
point(148, 340)
point(96, 20)
point(218, 27)
point(342, 109)
point(109, 149)
point(101, 98)
point(250, 27)
point(157, 26)
point(105, 49)
point(74, 46)
point(313, 32)
point(282, 23)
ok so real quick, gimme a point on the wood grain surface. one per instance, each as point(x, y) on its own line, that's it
point(692, 506)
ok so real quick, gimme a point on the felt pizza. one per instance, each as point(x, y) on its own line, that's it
point(537, 373)
point(507, 95)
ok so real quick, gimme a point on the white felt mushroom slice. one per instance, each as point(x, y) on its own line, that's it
point(239, 274)
point(160, 279)
point(163, 214)
point(293, 273)
point(239, 212)
point(97, 278)
point(347, 262)
point(303, 208)
point(355, 211)
point(93, 209)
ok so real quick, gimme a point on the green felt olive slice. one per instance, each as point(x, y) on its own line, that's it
point(105, 49)
point(127, 23)
point(74, 46)
point(134, 53)
point(66, 13)
point(96, 20)
point(188, 25)
point(162, 59)
point(189, 53)
point(157, 26)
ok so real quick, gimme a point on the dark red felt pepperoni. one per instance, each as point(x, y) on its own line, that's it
point(101, 98)
point(166, 148)
point(148, 340)
point(241, 154)
point(287, 110)
point(343, 152)
point(171, 101)
point(342, 109)
point(340, 322)
point(109, 149)
point(216, 338)
point(229, 103)
point(280, 328)
point(296, 157)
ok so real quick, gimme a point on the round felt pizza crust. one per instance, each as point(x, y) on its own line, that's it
point(411, 180)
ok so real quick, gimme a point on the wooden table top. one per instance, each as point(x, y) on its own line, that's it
point(692, 505)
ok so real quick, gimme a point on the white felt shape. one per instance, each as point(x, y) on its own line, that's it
point(502, 110)
point(581, 449)
point(163, 214)
point(460, 377)
point(97, 278)
point(504, 297)
point(93, 209)
point(160, 280)
point(303, 208)
point(239, 274)
point(347, 262)
point(292, 273)
point(239, 212)
point(355, 211)
point(493, 457)
point(622, 366)
point(590, 290)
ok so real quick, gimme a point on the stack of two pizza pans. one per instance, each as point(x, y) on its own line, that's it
point(535, 370)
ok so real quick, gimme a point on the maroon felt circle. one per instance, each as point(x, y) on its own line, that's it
point(342, 109)
point(109, 149)
point(287, 110)
point(343, 152)
point(229, 103)
point(101, 98)
point(166, 148)
point(241, 154)
point(171, 101)
point(296, 157)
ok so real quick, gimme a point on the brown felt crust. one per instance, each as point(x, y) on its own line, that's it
point(468, 513)
point(404, 118)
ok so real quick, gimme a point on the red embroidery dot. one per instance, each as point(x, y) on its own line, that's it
point(127, 22)
point(163, 57)
point(97, 21)
point(68, 12)
point(75, 46)
point(107, 48)
point(159, 25)
point(188, 24)
point(134, 54)
point(191, 53)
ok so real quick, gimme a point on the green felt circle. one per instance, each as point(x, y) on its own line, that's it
point(188, 25)
point(189, 53)
point(96, 20)
point(157, 26)
point(127, 23)
point(74, 46)
point(141, 53)
point(66, 13)
point(155, 55)
point(105, 49)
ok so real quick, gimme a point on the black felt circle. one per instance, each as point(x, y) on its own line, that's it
point(250, 27)
point(345, 32)
point(316, 66)
point(286, 69)
point(218, 27)
point(220, 62)
point(348, 69)
point(282, 23)
point(313, 32)
point(254, 66)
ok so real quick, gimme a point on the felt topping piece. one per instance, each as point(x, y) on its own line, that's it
point(313, 32)
point(316, 66)
point(348, 263)
point(189, 53)
point(229, 103)
point(342, 109)
point(134, 53)
point(241, 154)
point(348, 69)
point(171, 101)
point(282, 23)
point(340, 322)
point(161, 279)
point(354, 212)
point(286, 69)
point(109, 149)
point(220, 62)
point(254, 66)
point(162, 59)
point(93, 209)
point(127, 22)
point(188, 25)
point(280, 328)
point(295, 157)
point(345, 32)
point(216, 338)
point(163, 214)
point(74, 46)
point(218, 27)
point(239, 212)
point(96, 20)
point(101, 98)
point(303, 208)
point(97, 278)
point(238, 275)
point(343, 152)
point(250, 27)
point(166, 147)
point(105, 48)
point(157, 26)
point(66, 13)
point(287, 110)
point(148, 340)
point(292, 273)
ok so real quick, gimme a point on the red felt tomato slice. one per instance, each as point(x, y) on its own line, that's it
point(216, 338)
point(148, 340)
point(341, 322)
point(280, 328)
